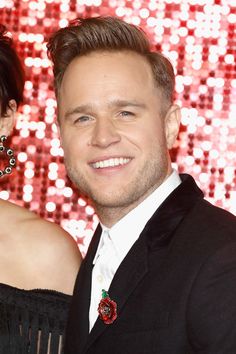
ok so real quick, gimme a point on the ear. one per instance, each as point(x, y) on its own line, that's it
point(172, 123)
point(7, 122)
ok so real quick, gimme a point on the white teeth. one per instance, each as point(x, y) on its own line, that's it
point(111, 162)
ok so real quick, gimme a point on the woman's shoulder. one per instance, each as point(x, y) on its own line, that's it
point(28, 225)
point(49, 253)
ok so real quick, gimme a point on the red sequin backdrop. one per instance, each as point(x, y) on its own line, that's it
point(199, 38)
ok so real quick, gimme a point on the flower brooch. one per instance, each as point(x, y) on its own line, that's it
point(107, 308)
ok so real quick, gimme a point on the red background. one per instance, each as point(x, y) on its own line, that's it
point(197, 36)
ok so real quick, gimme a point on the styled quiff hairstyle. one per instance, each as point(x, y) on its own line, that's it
point(12, 77)
point(87, 35)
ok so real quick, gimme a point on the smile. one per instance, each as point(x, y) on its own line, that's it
point(112, 162)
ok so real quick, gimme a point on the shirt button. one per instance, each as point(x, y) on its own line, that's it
point(100, 278)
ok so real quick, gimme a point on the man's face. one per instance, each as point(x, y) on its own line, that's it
point(115, 141)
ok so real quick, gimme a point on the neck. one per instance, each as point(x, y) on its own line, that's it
point(109, 215)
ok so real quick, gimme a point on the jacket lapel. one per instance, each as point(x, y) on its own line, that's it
point(160, 228)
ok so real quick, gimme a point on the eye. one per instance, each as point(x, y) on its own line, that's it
point(83, 120)
point(126, 114)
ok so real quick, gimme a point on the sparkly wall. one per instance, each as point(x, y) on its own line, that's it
point(198, 36)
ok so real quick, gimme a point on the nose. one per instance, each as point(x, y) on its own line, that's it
point(104, 134)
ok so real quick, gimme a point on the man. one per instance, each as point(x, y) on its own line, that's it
point(160, 272)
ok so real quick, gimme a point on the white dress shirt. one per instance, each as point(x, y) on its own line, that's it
point(116, 242)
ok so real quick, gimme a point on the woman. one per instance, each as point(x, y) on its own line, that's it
point(39, 261)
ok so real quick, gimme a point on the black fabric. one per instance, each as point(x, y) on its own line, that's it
point(175, 290)
point(32, 321)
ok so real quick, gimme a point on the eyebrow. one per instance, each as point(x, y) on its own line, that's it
point(124, 103)
point(78, 109)
point(113, 104)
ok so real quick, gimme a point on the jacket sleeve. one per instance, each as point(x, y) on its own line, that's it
point(211, 310)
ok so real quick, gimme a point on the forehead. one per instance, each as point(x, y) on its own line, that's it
point(100, 77)
point(108, 66)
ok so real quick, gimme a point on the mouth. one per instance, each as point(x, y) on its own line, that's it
point(111, 162)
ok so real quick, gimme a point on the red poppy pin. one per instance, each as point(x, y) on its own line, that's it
point(107, 308)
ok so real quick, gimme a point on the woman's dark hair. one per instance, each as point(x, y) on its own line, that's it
point(12, 77)
point(84, 36)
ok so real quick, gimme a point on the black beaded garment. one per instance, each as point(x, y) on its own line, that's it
point(32, 321)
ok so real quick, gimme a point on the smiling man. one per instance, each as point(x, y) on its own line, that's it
point(114, 122)
point(160, 272)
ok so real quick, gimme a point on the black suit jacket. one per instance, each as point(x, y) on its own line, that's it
point(175, 290)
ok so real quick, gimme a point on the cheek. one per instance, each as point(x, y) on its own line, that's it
point(75, 150)
point(69, 138)
point(157, 134)
point(147, 137)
